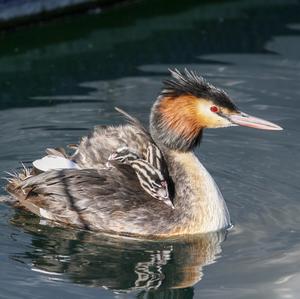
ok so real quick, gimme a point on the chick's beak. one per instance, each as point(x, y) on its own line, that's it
point(245, 120)
point(163, 191)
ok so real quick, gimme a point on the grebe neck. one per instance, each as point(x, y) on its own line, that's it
point(198, 201)
point(199, 205)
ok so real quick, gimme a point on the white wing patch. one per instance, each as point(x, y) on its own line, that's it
point(46, 214)
point(54, 162)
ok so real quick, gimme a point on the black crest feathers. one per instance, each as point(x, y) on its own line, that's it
point(190, 83)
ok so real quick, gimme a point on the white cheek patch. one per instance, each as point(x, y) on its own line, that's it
point(54, 162)
point(222, 121)
point(212, 119)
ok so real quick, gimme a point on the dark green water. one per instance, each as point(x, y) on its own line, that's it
point(57, 80)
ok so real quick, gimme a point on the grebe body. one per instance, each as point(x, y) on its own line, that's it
point(86, 193)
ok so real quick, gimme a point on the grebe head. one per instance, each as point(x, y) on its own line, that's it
point(187, 104)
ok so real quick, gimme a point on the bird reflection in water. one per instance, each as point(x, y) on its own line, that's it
point(149, 268)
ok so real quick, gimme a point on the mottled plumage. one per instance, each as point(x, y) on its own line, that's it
point(95, 149)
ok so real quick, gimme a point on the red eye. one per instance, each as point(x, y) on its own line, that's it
point(214, 109)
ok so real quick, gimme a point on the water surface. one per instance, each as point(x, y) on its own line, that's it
point(60, 79)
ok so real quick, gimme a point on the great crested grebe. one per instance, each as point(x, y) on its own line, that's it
point(84, 192)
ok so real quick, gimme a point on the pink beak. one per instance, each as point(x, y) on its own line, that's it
point(245, 120)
